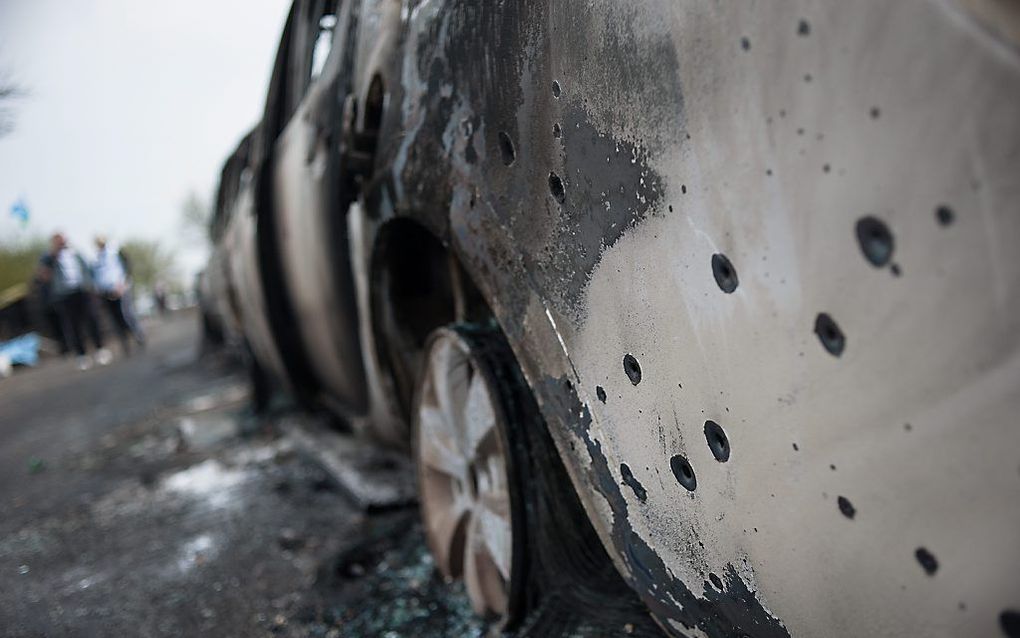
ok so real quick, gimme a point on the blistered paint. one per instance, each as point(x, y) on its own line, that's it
point(684, 187)
point(926, 346)
point(769, 146)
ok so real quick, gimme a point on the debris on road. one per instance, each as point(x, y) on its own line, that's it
point(169, 509)
point(374, 478)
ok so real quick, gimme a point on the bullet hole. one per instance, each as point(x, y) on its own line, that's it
point(556, 89)
point(745, 44)
point(800, 131)
point(671, 208)
point(807, 77)
point(796, 448)
point(724, 272)
point(716, 581)
point(1009, 620)
point(945, 215)
point(826, 168)
point(927, 560)
point(632, 368)
point(829, 334)
point(832, 467)
point(876, 240)
point(717, 441)
point(768, 172)
point(600, 393)
point(803, 28)
point(556, 131)
point(846, 507)
point(506, 148)
point(633, 483)
point(874, 112)
point(908, 427)
point(895, 270)
point(556, 188)
point(683, 472)
point(683, 188)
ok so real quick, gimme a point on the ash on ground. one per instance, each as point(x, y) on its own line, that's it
point(143, 499)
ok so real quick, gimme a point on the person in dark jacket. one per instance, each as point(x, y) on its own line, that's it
point(111, 273)
point(69, 280)
point(49, 318)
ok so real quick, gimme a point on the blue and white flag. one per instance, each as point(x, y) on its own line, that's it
point(19, 211)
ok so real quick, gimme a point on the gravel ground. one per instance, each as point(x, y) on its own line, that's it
point(142, 499)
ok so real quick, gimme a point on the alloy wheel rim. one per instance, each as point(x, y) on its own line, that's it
point(463, 476)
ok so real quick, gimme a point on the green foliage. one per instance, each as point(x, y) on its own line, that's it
point(18, 261)
point(195, 216)
point(150, 262)
point(10, 91)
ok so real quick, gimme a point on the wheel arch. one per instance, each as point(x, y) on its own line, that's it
point(417, 283)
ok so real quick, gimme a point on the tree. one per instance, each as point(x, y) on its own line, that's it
point(195, 216)
point(19, 260)
point(10, 91)
point(149, 262)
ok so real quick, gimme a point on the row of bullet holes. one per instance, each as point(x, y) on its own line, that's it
point(719, 444)
point(928, 562)
point(556, 188)
point(509, 154)
point(716, 437)
point(877, 244)
point(803, 29)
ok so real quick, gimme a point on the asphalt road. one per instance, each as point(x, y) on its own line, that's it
point(142, 499)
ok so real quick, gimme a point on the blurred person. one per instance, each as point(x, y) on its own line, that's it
point(159, 294)
point(54, 327)
point(111, 273)
point(68, 277)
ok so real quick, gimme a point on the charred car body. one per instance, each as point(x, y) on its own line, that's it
point(750, 268)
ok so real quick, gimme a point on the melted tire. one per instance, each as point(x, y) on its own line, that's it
point(570, 586)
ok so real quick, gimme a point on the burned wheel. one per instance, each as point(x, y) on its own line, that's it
point(467, 483)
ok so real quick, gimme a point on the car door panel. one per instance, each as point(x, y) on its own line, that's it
point(309, 205)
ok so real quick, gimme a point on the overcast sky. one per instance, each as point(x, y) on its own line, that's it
point(131, 106)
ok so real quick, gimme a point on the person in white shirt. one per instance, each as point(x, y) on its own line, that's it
point(112, 276)
point(68, 281)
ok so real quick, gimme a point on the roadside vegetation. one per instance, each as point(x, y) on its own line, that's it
point(18, 261)
point(150, 261)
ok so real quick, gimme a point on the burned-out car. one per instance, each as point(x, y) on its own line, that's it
point(716, 300)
